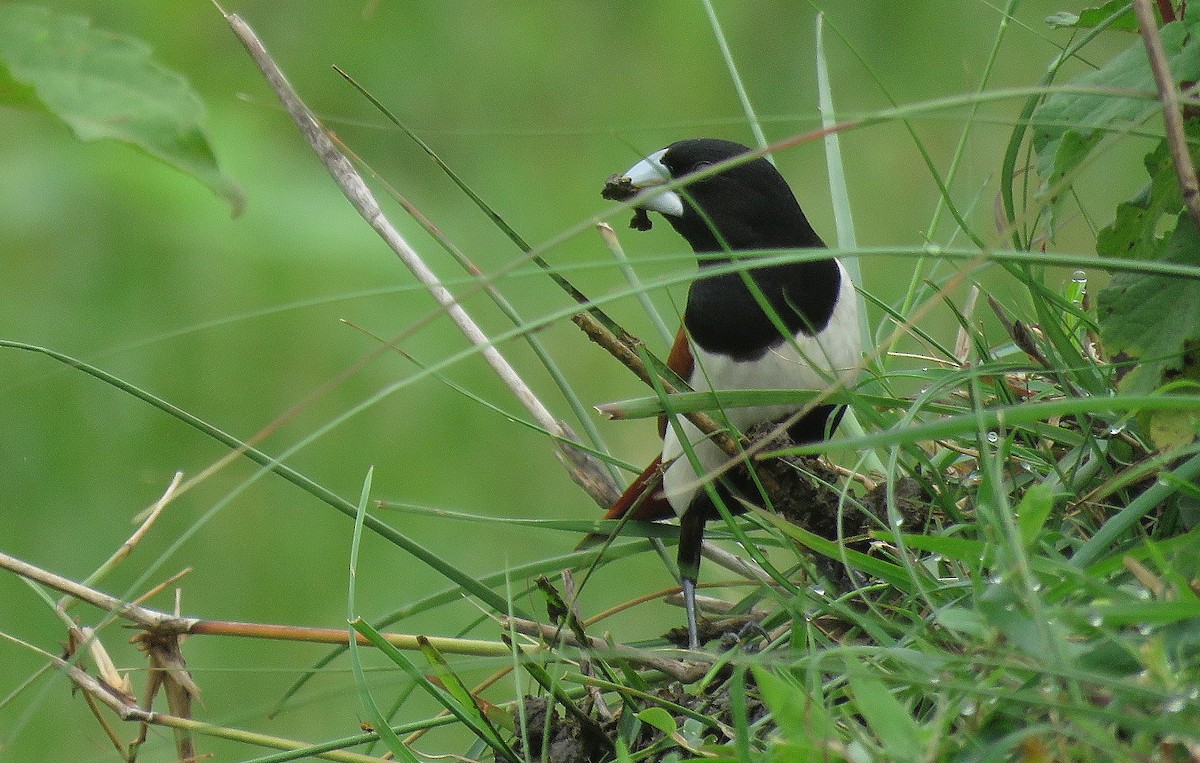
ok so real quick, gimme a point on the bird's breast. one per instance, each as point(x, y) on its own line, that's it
point(824, 360)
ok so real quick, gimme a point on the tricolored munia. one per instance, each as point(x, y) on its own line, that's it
point(807, 338)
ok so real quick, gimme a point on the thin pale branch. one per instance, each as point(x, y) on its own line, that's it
point(143, 616)
point(160, 624)
point(488, 283)
point(685, 672)
point(534, 254)
point(629, 357)
point(99, 691)
point(127, 547)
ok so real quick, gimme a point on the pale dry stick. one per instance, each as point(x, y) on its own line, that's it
point(164, 624)
point(112, 681)
point(962, 340)
point(629, 357)
point(129, 711)
point(127, 547)
point(1168, 94)
point(158, 588)
point(685, 672)
point(747, 568)
point(84, 638)
point(487, 283)
point(583, 469)
point(1151, 582)
point(585, 664)
point(149, 619)
point(720, 607)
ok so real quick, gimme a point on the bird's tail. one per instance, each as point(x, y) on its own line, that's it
point(643, 501)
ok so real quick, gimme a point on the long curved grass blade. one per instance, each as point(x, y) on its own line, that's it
point(900, 114)
point(839, 192)
point(1116, 526)
point(273, 465)
point(886, 571)
point(1008, 168)
point(738, 86)
point(686, 402)
point(539, 349)
point(597, 451)
point(440, 695)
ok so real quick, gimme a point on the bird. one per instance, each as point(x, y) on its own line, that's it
point(808, 339)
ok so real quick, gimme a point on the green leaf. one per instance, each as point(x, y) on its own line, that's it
point(1033, 510)
point(895, 728)
point(1068, 125)
point(1135, 231)
point(961, 620)
point(1170, 432)
point(106, 85)
point(1089, 18)
point(800, 718)
point(659, 719)
point(1156, 320)
point(1135, 312)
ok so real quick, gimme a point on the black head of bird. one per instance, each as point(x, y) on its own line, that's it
point(745, 206)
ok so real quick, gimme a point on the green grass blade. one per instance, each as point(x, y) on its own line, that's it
point(1127, 517)
point(1007, 416)
point(878, 568)
point(396, 656)
point(894, 727)
point(740, 87)
point(839, 190)
point(384, 730)
point(468, 708)
point(454, 594)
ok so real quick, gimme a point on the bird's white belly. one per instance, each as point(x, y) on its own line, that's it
point(829, 359)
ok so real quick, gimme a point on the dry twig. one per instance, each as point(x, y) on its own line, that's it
point(685, 672)
point(1168, 94)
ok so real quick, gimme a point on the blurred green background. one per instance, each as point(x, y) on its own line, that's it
point(114, 258)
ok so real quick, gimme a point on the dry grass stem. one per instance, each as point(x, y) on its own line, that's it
point(1168, 94)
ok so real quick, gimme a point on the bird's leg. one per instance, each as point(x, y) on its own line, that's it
point(691, 536)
